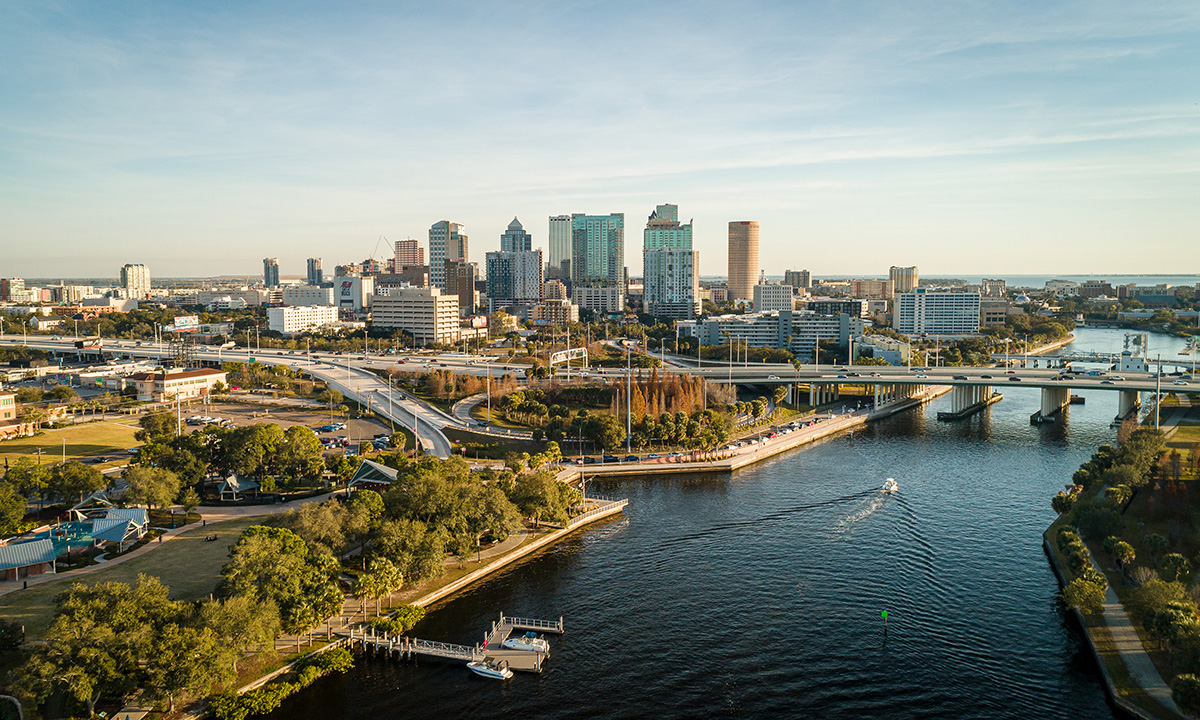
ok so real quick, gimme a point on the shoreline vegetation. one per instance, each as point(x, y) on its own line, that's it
point(1124, 549)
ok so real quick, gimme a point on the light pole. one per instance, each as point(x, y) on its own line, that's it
point(24, 334)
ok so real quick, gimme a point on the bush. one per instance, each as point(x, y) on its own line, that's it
point(400, 621)
point(1155, 595)
point(1174, 566)
point(267, 698)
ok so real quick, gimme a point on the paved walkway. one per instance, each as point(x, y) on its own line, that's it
point(1133, 653)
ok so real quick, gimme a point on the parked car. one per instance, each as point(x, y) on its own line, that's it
point(610, 458)
point(589, 461)
point(632, 458)
point(653, 456)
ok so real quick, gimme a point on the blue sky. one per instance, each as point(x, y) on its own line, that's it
point(962, 137)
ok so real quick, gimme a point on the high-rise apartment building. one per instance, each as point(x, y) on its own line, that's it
point(316, 275)
point(271, 272)
point(554, 289)
point(743, 259)
point(447, 242)
point(408, 253)
point(671, 269)
point(797, 278)
point(514, 278)
point(10, 287)
point(559, 261)
point(136, 280)
point(598, 257)
point(515, 239)
point(921, 312)
point(904, 279)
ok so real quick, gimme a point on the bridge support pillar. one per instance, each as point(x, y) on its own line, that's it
point(1054, 400)
point(1130, 401)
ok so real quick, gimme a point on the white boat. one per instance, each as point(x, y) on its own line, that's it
point(529, 641)
point(889, 486)
point(489, 668)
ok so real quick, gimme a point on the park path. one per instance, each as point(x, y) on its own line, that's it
point(1133, 653)
point(207, 514)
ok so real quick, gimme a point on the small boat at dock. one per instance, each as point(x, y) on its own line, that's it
point(489, 668)
point(530, 641)
point(889, 486)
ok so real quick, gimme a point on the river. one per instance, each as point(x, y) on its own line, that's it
point(759, 595)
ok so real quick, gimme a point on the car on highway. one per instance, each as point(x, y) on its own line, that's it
point(1179, 382)
point(986, 377)
point(1014, 378)
point(960, 377)
point(922, 376)
point(843, 377)
point(1012, 372)
point(1107, 382)
point(1116, 378)
point(875, 374)
point(772, 377)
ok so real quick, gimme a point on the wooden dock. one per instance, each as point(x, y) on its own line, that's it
point(402, 646)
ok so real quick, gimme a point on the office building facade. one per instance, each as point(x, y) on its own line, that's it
point(798, 278)
point(308, 295)
point(921, 312)
point(407, 253)
point(772, 298)
point(559, 250)
point(515, 239)
point(447, 243)
point(136, 280)
point(743, 260)
point(460, 282)
point(798, 332)
point(427, 314)
point(270, 272)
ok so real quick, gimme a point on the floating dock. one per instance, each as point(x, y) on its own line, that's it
point(402, 646)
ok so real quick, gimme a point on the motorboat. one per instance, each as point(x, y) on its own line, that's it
point(889, 486)
point(530, 641)
point(490, 668)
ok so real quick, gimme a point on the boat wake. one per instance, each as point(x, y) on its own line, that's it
point(770, 517)
point(866, 509)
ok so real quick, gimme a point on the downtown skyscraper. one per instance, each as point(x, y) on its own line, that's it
point(598, 262)
point(515, 273)
point(671, 267)
point(447, 242)
point(271, 272)
point(136, 280)
point(559, 261)
point(743, 260)
point(316, 275)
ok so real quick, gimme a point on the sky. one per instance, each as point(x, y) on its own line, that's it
point(961, 137)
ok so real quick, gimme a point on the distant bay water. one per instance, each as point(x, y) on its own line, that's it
point(1028, 281)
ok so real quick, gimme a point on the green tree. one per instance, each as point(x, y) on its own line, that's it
point(153, 486)
point(157, 427)
point(27, 477)
point(12, 509)
point(74, 479)
point(299, 453)
point(1086, 597)
point(274, 564)
point(1155, 543)
point(1174, 567)
point(189, 500)
point(1062, 502)
point(368, 501)
point(1185, 691)
point(241, 622)
point(183, 659)
point(1123, 553)
point(62, 392)
point(381, 578)
point(417, 550)
point(1117, 494)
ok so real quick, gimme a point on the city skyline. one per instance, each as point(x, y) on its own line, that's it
point(199, 141)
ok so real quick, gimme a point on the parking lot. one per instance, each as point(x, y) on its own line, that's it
point(244, 415)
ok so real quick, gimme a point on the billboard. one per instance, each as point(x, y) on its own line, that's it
point(186, 323)
point(477, 321)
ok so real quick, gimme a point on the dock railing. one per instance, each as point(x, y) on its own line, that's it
point(607, 507)
point(554, 626)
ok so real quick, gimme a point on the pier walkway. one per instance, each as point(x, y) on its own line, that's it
point(518, 660)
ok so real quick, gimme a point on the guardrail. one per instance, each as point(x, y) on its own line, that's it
point(603, 509)
point(533, 623)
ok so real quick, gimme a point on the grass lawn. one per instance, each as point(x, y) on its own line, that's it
point(479, 412)
point(82, 440)
point(188, 565)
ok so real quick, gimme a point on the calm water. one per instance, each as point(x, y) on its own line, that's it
point(758, 595)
